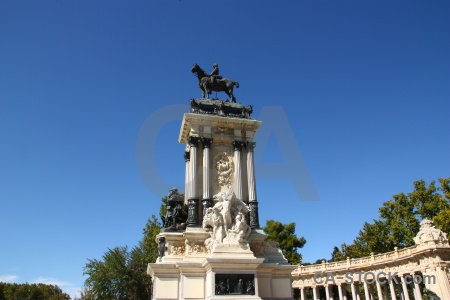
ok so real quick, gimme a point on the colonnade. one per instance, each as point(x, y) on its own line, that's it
point(192, 195)
point(401, 287)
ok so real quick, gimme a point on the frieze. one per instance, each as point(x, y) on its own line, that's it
point(175, 248)
point(223, 131)
point(220, 108)
point(235, 284)
point(195, 247)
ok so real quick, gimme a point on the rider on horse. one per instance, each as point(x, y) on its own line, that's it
point(215, 74)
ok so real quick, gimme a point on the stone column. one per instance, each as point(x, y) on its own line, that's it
point(238, 169)
point(186, 180)
point(302, 293)
point(417, 293)
point(392, 288)
point(315, 293)
point(327, 292)
point(366, 290)
point(341, 297)
point(353, 290)
point(252, 200)
point(207, 199)
point(405, 287)
point(193, 184)
point(380, 294)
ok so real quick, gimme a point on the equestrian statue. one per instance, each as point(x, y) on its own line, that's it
point(214, 82)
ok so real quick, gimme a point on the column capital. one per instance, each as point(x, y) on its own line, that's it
point(193, 141)
point(238, 145)
point(187, 156)
point(207, 142)
point(251, 146)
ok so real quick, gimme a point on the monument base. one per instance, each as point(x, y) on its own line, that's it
point(252, 270)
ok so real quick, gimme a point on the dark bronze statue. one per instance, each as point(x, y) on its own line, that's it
point(161, 247)
point(214, 82)
point(430, 294)
point(175, 217)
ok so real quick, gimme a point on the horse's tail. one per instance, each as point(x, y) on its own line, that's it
point(236, 83)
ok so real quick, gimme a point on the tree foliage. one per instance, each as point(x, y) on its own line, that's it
point(400, 219)
point(122, 273)
point(38, 291)
point(289, 243)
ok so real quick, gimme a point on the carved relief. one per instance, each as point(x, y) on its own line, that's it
point(195, 247)
point(225, 168)
point(175, 248)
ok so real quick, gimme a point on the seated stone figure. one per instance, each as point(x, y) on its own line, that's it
point(241, 228)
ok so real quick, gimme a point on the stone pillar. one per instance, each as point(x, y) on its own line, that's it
point(379, 292)
point(186, 180)
point(441, 286)
point(193, 184)
point(405, 287)
point(353, 290)
point(417, 293)
point(207, 199)
point(315, 293)
point(238, 169)
point(327, 292)
point(302, 293)
point(252, 200)
point(392, 288)
point(341, 297)
point(366, 290)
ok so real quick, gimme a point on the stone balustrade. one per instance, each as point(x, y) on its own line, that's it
point(399, 274)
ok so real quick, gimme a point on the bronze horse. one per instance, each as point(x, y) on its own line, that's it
point(221, 85)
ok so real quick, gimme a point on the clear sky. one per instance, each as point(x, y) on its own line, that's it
point(364, 87)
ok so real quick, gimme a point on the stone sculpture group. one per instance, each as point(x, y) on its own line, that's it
point(228, 220)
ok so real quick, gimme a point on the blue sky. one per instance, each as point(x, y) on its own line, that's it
point(363, 85)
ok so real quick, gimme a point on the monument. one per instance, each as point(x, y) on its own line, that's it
point(211, 245)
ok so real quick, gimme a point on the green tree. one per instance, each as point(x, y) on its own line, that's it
point(39, 291)
point(122, 273)
point(442, 219)
point(400, 220)
point(289, 243)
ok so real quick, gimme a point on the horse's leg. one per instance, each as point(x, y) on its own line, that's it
point(203, 91)
point(206, 91)
point(230, 94)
